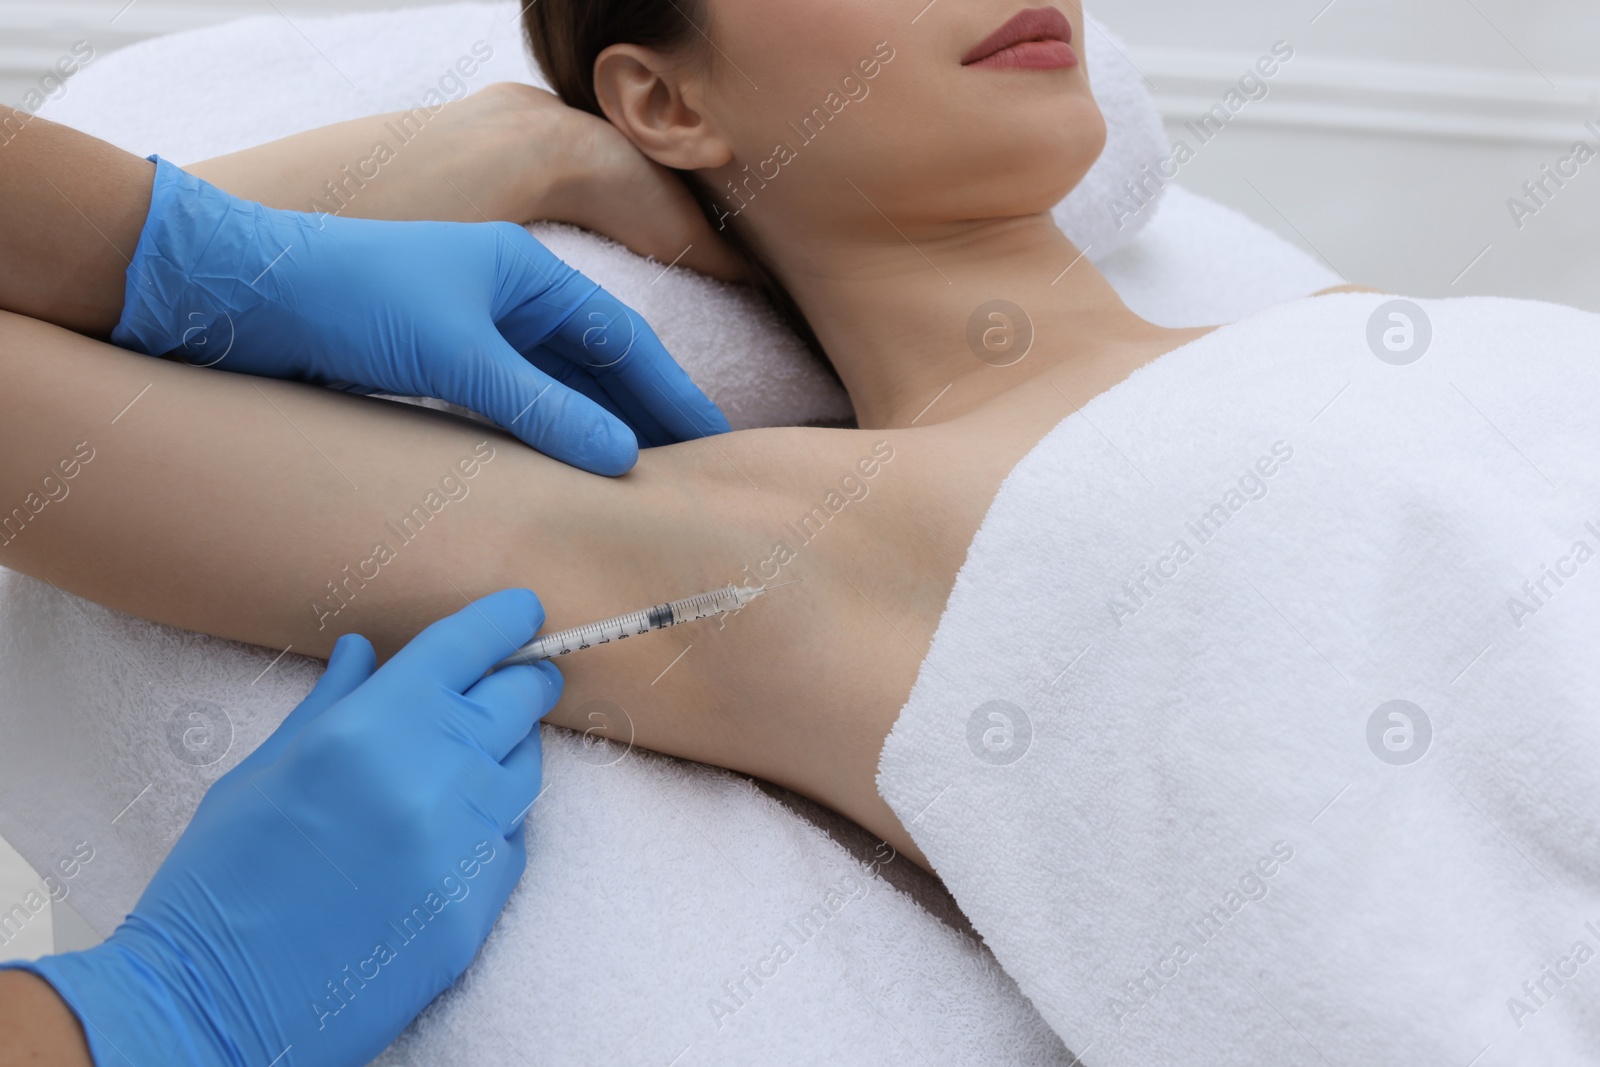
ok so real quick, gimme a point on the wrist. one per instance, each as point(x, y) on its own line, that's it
point(164, 307)
point(125, 1011)
point(578, 169)
point(560, 178)
point(38, 1025)
point(509, 150)
point(589, 175)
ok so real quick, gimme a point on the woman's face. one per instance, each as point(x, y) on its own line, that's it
point(836, 110)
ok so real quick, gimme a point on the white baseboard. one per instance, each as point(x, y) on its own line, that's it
point(1413, 99)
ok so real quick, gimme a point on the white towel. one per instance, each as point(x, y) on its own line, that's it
point(1201, 263)
point(1155, 752)
point(652, 915)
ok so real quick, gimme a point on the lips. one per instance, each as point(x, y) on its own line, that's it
point(1038, 38)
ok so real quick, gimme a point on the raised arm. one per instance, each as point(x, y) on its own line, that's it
point(250, 508)
point(284, 515)
point(509, 152)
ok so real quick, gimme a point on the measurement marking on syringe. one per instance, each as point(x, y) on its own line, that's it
point(660, 616)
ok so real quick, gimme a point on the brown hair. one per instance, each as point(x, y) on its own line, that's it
point(567, 36)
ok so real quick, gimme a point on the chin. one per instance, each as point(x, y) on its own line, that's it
point(1079, 148)
point(1033, 163)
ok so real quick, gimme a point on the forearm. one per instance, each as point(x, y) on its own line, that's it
point(36, 1026)
point(484, 158)
point(507, 153)
point(71, 209)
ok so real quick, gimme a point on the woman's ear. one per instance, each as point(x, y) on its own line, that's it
point(642, 93)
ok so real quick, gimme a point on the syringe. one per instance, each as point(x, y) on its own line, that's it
point(673, 612)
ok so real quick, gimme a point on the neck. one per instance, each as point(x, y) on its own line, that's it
point(898, 312)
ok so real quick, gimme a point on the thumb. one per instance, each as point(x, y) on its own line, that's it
point(351, 664)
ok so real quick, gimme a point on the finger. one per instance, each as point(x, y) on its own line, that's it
point(542, 412)
point(502, 794)
point(498, 712)
point(538, 292)
point(459, 649)
point(350, 665)
point(525, 769)
point(619, 349)
point(534, 280)
point(606, 391)
point(645, 427)
point(546, 303)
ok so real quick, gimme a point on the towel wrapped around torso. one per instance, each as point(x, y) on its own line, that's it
point(1261, 724)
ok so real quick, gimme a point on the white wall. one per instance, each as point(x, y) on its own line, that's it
point(1392, 142)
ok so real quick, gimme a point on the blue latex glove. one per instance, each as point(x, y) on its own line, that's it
point(479, 314)
point(344, 873)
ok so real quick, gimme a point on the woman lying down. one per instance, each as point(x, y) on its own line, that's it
point(242, 534)
point(1233, 557)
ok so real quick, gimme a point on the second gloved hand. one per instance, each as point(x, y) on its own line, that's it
point(479, 314)
point(343, 874)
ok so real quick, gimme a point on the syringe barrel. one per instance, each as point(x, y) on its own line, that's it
point(717, 602)
point(672, 613)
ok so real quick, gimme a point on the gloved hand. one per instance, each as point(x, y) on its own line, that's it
point(479, 314)
point(344, 873)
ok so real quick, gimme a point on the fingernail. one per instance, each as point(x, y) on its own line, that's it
point(615, 447)
point(344, 644)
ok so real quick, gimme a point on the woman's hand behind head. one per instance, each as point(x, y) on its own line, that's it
point(607, 185)
point(507, 153)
